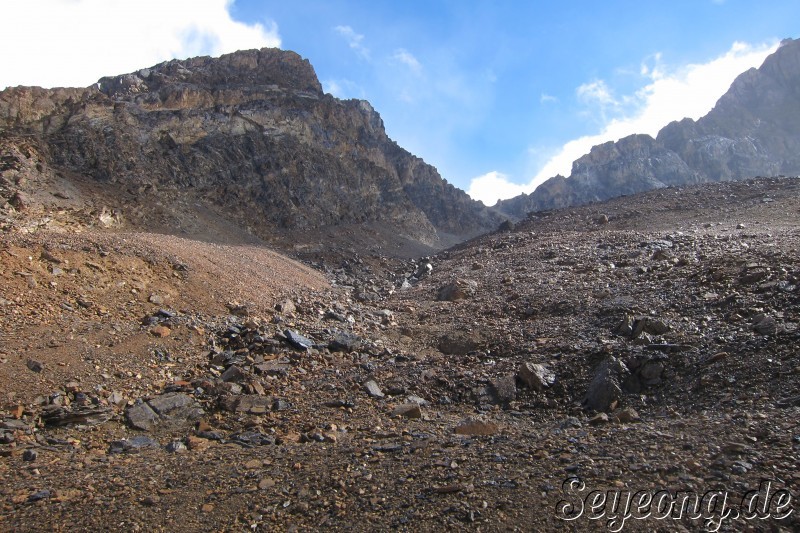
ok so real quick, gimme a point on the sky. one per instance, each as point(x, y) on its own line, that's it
point(498, 95)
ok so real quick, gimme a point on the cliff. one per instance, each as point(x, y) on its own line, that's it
point(250, 135)
point(753, 130)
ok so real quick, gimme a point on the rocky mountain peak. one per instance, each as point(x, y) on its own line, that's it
point(252, 138)
point(753, 130)
point(264, 69)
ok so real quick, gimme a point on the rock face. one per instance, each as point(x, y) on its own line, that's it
point(754, 130)
point(251, 135)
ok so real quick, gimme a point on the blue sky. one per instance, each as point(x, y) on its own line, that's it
point(498, 95)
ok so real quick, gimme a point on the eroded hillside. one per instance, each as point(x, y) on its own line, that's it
point(650, 347)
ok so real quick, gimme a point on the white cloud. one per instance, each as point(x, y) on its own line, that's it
point(547, 99)
point(595, 91)
point(333, 87)
point(343, 88)
point(75, 42)
point(354, 40)
point(690, 91)
point(405, 57)
point(493, 186)
point(669, 94)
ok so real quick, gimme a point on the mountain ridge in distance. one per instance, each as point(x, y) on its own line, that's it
point(753, 130)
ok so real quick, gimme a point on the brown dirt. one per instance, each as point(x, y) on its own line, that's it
point(716, 393)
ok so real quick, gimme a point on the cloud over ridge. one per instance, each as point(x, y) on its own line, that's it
point(668, 94)
point(108, 37)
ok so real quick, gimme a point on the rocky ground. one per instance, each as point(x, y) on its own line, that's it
point(151, 382)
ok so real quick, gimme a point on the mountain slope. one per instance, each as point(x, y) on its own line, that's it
point(754, 130)
point(250, 136)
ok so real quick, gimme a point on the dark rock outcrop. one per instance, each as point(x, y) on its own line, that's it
point(250, 135)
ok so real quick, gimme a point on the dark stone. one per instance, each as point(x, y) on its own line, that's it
point(253, 438)
point(232, 374)
point(39, 495)
point(141, 416)
point(605, 388)
point(6, 437)
point(345, 342)
point(298, 341)
point(504, 389)
point(458, 343)
point(56, 415)
point(133, 444)
point(30, 455)
point(34, 365)
point(173, 409)
point(211, 435)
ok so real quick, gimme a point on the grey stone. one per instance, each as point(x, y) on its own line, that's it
point(504, 389)
point(605, 388)
point(536, 376)
point(298, 341)
point(133, 444)
point(176, 446)
point(172, 409)
point(458, 343)
point(457, 290)
point(253, 438)
point(411, 398)
point(765, 325)
point(256, 405)
point(175, 404)
point(373, 389)
point(232, 374)
point(345, 342)
point(141, 416)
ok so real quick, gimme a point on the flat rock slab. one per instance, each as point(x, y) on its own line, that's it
point(133, 444)
point(345, 342)
point(373, 389)
point(274, 367)
point(66, 416)
point(173, 409)
point(244, 403)
point(474, 427)
point(408, 410)
point(298, 341)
